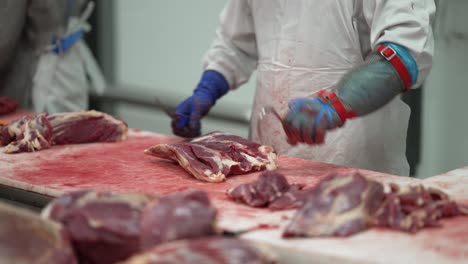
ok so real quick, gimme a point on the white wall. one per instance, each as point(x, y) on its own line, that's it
point(445, 104)
point(159, 46)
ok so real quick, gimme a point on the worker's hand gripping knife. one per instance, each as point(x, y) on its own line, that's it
point(186, 121)
point(387, 72)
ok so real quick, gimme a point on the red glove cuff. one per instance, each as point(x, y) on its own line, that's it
point(331, 98)
point(391, 56)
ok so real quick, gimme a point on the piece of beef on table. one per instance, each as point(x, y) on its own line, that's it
point(411, 208)
point(86, 127)
point(214, 156)
point(27, 134)
point(337, 206)
point(104, 227)
point(7, 105)
point(182, 215)
point(272, 190)
point(27, 238)
point(342, 205)
point(215, 250)
point(42, 131)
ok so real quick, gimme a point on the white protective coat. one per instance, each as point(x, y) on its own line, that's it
point(301, 46)
point(30, 73)
point(62, 82)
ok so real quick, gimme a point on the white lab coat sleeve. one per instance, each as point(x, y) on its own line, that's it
point(233, 52)
point(407, 23)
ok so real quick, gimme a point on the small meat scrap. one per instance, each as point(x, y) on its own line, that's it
point(181, 215)
point(214, 156)
point(7, 105)
point(104, 227)
point(215, 250)
point(26, 238)
point(41, 131)
point(414, 207)
point(272, 190)
point(344, 205)
point(338, 206)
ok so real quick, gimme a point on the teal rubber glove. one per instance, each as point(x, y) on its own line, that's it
point(309, 119)
point(363, 90)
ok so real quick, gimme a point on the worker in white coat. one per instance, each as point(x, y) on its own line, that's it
point(334, 69)
point(45, 64)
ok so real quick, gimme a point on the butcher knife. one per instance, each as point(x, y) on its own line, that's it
point(172, 115)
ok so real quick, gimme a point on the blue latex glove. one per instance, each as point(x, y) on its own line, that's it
point(309, 119)
point(188, 114)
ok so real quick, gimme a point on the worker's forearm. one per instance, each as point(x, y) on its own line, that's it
point(371, 85)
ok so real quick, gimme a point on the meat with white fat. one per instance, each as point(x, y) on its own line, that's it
point(41, 131)
point(214, 156)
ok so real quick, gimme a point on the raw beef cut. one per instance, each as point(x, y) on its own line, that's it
point(108, 227)
point(41, 131)
point(86, 127)
point(414, 207)
point(271, 190)
point(7, 105)
point(338, 206)
point(215, 250)
point(181, 215)
point(104, 227)
point(215, 155)
point(344, 205)
point(26, 238)
point(26, 134)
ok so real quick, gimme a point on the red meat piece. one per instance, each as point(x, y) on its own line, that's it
point(271, 190)
point(216, 155)
point(177, 216)
point(345, 205)
point(104, 227)
point(42, 130)
point(7, 105)
point(26, 134)
point(26, 238)
point(338, 206)
point(86, 127)
point(214, 250)
point(414, 207)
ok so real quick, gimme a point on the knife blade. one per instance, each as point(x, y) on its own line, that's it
point(268, 110)
point(174, 117)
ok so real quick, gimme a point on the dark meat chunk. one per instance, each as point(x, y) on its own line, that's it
point(414, 207)
point(7, 105)
point(214, 250)
point(345, 205)
point(108, 227)
point(177, 216)
point(338, 206)
point(214, 156)
point(295, 197)
point(271, 190)
point(104, 227)
point(26, 238)
point(42, 130)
